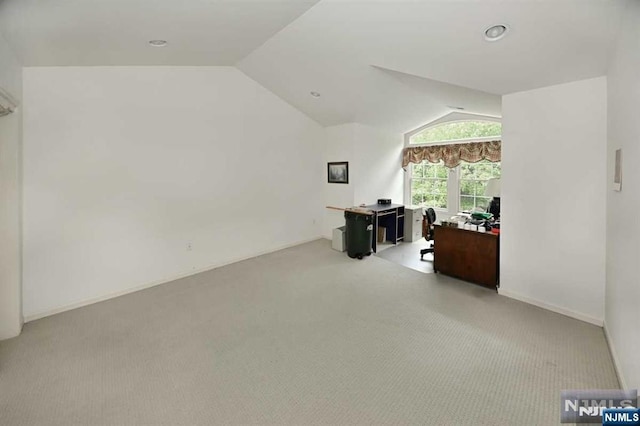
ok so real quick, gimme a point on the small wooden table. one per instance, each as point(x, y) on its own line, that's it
point(469, 255)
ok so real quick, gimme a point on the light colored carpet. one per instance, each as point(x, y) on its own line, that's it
point(301, 336)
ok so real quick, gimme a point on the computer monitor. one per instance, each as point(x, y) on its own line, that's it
point(494, 207)
point(493, 189)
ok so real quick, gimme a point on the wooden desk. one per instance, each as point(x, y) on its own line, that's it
point(469, 255)
point(391, 216)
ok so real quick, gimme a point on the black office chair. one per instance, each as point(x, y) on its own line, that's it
point(428, 219)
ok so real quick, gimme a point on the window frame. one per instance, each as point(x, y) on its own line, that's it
point(411, 134)
point(453, 189)
point(453, 180)
point(475, 196)
point(452, 118)
point(435, 178)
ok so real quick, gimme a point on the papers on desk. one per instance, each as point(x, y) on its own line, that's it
point(460, 217)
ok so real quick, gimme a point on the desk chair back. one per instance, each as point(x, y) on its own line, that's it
point(428, 219)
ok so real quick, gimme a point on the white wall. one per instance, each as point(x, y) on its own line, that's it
point(339, 146)
point(552, 244)
point(10, 199)
point(125, 166)
point(375, 169)
point(378, 172)
point(623, 227)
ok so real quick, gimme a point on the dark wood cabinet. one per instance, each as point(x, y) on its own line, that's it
point(469, 255)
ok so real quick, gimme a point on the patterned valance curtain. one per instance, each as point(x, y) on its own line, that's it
point(453, 154)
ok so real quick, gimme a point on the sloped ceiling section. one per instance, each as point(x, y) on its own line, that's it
point(417, 92)
point(388, 63)
point(116, 32)
point(368, 94)
point(384, 62)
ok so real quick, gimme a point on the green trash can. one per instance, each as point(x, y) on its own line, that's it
point(359, 232)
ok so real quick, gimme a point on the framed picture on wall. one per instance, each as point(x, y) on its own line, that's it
point(338, 172)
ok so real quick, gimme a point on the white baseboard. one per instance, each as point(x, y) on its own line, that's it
point(614, 356)
point(554, 308)
point(133, 289)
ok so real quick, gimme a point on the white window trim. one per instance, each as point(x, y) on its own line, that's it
point(407, 188)
point(453, 185)
point(453, 190)
point(459, 180)
point(450, 118)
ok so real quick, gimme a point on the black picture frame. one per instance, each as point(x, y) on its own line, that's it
point(338, 172)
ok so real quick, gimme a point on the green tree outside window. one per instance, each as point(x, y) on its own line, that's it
point(429, 181)
point(457, 130)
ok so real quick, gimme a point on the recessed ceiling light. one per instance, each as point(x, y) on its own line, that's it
point(315, 94)
point(495, 32)
point(158, 43)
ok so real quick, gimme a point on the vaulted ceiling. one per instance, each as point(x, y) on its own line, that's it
point(116, 32)
point(391, 63)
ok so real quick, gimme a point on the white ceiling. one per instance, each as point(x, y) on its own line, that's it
point(116, 32)
point(390, 63)
point(332, 48)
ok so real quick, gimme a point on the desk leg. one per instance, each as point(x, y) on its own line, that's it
point(394, 232)
point(374, 239)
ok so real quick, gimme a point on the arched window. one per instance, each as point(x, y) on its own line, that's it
point(461, 188)
point(457, 131)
